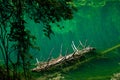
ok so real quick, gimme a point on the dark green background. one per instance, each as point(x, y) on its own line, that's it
point(99, 24)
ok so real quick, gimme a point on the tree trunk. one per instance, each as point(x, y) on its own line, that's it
point(61, 60)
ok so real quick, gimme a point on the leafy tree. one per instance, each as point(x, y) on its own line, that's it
point(15, 39)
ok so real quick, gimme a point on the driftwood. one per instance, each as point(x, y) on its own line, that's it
point(76, 55)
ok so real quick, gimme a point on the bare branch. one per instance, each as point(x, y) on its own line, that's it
point(37, 61)
point(49, 57)
point(50, 54)
point(61, 50)
point(85, 45)
point(66, 53)
point(81, 44)
point(74, 47)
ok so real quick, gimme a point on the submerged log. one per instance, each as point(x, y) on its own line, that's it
point(76, 55)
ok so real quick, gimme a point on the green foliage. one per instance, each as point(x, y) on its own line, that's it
point(50, 11)
point(41, 11)
point(47, 31)
point(13, 30)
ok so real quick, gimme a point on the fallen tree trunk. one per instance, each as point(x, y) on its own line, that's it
point(76, 55)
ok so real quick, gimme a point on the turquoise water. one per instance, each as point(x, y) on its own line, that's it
point(100, 69)
point(100, 26)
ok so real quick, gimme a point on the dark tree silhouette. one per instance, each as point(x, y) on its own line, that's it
point(15, 39)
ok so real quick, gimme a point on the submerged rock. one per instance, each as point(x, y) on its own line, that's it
point(116, 76)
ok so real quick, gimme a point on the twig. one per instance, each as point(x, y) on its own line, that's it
point(74, 47)
point(50, 54)
point(66, 53)
point(49, 57)
point(37, 61)
point(61, 50)
point(81, 44)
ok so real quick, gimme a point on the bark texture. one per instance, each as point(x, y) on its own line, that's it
point(76, 55)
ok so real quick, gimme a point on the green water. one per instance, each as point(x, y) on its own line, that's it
point(100, 26)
